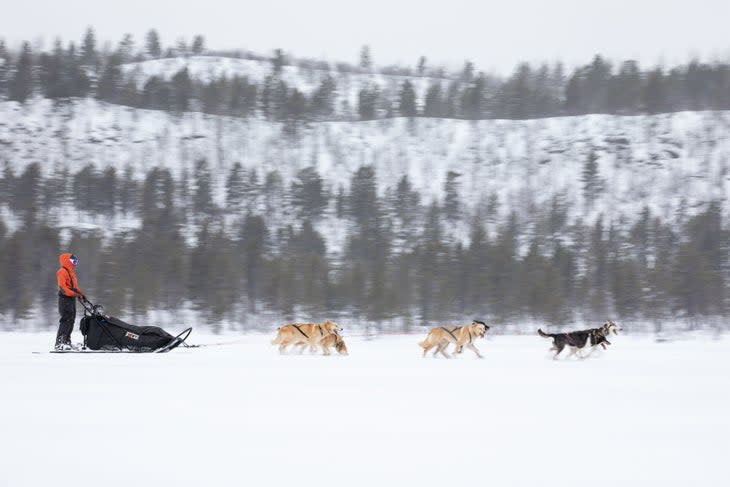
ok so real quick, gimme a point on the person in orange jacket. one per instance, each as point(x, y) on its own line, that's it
point(68, 291)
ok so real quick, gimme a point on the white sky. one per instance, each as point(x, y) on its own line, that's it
point(493, 34)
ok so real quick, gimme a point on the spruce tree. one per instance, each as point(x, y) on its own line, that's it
point(406, 201)
point(5, 63)
point(366, 61)
point(323, 98)
point(253, 243)
point(79, 81)
point(21, 84)
point(433, 103)
point(296, 106)
point(108, 196)
point(592, 183)
point(182, 88)
point(152, 44)
point(181, 47)
point(407, 101)
point(421, 67)
point(89, 56)
point(308, 193)
point(472, 98)
point(477, 267)
point(110, 82)
point(203, 197)
point(367, 105)
point(429, 257)
point(125, 49)
point(452, 202)
point(235, 188)
point(51, 75)
point(655, 92)
point(574, 95)
point(198, 46)
point(27, 189)
point(277, 62)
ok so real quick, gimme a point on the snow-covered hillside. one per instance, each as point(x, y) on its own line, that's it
point(306, 80)
point(667, 162)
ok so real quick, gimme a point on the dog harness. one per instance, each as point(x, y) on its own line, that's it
point(571, 341)
point(319, 327)
point(451, 332)
point(300, 331)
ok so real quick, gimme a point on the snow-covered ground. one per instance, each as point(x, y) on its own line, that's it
point(642, 413)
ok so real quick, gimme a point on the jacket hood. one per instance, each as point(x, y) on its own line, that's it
point(65, 260)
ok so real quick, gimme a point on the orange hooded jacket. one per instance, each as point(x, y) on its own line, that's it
point(66, 277)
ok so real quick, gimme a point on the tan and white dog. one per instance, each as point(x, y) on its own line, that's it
point(461, 336)
point(304, 334)
point(333, 340)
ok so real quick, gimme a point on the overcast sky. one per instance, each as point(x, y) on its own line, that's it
point(493, 34)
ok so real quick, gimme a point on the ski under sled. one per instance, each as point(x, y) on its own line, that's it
point(174, 343)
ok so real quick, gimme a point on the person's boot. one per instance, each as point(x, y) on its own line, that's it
point(64, 344)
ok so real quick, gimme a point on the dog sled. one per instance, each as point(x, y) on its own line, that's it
point(106, 334)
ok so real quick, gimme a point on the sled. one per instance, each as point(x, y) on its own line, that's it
point(106, 334)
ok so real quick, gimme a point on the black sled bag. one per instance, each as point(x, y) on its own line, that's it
point(109, 333)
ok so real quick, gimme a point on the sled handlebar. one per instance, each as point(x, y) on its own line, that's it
point(90, 307)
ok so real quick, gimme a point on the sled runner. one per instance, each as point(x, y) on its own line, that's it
point(103, 333)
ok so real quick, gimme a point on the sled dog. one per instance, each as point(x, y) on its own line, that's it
point(461, 336)
point(333, 339)
point(304, 333)
point(579, 340)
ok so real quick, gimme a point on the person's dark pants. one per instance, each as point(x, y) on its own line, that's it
point(67, 309)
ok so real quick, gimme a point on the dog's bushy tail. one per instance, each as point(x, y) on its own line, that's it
point(543, 334)
point(277, 340)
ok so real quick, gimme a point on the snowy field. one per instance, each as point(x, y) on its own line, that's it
point(642, 413)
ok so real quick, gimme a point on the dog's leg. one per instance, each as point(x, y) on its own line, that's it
point(442, 349)
point(474, 348)
point(282, 348)
point(557, 349)
point(572, 352)
point(593, 349)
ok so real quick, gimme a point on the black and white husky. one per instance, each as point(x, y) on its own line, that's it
point(579, 340)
